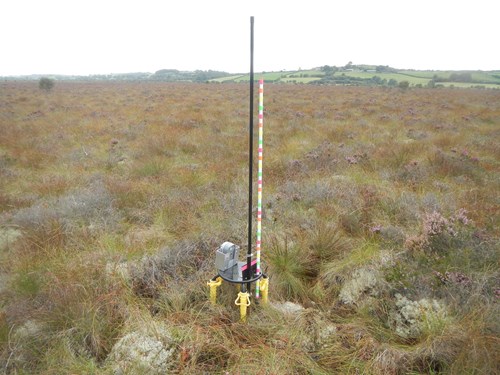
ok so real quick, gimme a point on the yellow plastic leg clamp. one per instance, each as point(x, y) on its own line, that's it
point(264, 289)
point(213, 284)
point(243, 301)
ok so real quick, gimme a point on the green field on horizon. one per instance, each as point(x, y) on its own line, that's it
point(486, 79)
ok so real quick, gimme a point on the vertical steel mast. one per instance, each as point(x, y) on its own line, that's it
point(250, 164)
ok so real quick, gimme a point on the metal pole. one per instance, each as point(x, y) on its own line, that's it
point(259, 183)
point(250, 165)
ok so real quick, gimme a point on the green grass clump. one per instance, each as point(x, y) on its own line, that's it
point(290, 267)
point(326, 243)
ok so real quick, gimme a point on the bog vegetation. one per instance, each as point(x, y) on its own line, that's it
point(381, 228)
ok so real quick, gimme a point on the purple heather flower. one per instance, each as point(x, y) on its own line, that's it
point(351, 159)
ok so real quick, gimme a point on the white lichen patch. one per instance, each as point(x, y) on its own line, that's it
point(141, 236)
point(8, 236)
point(118, 271)
point(22, 338)
point(143, 352)
point(312, 329)
point(28, 330)
point(364, 281)
point(387, 258)
point(411, 317)
point(288, 307)
point(326, 332)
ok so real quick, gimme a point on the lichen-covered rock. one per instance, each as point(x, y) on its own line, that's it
point(288, 307)
point(315, 331)
point(325, 333)
point(8, 236)
point(410, 316)
point(363, 281)
point(143, 353)
point(22, 340)
point(28, 330)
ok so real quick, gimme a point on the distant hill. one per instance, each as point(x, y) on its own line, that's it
point(163, 75)
point(350, 75)
point(368, 75)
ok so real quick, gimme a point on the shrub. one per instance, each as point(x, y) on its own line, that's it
point(439, 234)
point(46, 83)
point(456, 165)
point(412, 173)
point(392, 82)
point(404, 85)
point(392, 235)
point(351, 223)
point(177, 263)
point(52, 221)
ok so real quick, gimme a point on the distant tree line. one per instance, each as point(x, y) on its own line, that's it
point(164, 75)
point(329, 70)
point(302, 75)
point(385, 69)
point(343, 79)
point(174, 75)
point(454, 77)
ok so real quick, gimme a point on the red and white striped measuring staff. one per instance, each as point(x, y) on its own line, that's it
point(259, 183)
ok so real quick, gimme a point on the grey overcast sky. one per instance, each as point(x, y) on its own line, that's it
point(108, 36)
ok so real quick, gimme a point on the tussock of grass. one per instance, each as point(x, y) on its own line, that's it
point(326, 243)
point(289, 266)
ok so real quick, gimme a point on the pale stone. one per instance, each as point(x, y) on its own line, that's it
point(140, 352)
point(288, 307)
point(8, 236)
